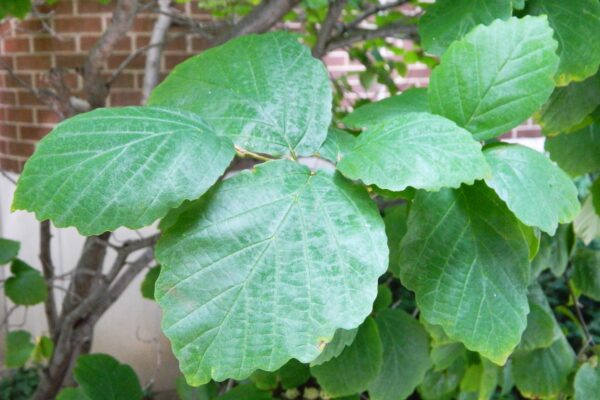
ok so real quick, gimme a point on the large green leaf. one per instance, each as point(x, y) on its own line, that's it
point(421, 150)
point(496, 77)
point(19, 346)
point(245, 392)
point(405, 356)
point(395, 219)
point(480, 381)
point(101, 377)
point(412, 100)
point(265, 92)
point(449, 20)
point(70, 393)
point(576, 25)
point(117, 167)
point(353, 370)
point(8, 250)
point(542, 329)
point(587, 223)
point(542, 373)
point(554, 252)
point(577, 152)
point(444, 355)
point(466, 259)
point(587, 382)
point(265, 268)
point(147, 286)
point(342, 339)
point(337, 144)
point(569, 106)
point(586, 272)
point(442, 385)
point(14, 8)
point(26, 286)
point(534, 188)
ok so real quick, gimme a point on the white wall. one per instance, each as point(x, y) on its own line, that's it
point(130, 330)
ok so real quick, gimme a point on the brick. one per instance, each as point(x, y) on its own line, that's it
point(10, 164)
point(336, 59)
point(94, 7)
point(44, 116)
point(8, 130)
point(78, 24)
point(528, 132)
point(8, 98)
point(141, 41)
point(60, 7)
point(170, 61)
point(50, 44)
point(7, 62)
point(70, 60)
point(11, 82)
point(33, 132)
point(19, 114)
point(87, 42)
point(178, 44)
point(26, 98)
point(36, 62)
point(125, 81)
point(30, 25)
point(20, 149)
point(125, 98)
point(16, 45)
point(143, 24)
point(5, 27)
point(199, 44)
point(138, 62)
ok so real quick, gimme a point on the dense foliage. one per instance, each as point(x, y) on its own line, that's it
point(418, 257)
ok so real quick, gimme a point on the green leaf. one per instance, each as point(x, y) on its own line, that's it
point(576, 153)
point(101, 377)
point(395, 219)
point(443, 356)
point(533, 187)
point(442, 385)
point(554, 252)
point(383, 300)
point(337, 144)
point(412, 100)
point(569, 106)
point(245, 392)
point(209, 391)
point(9, 249)
point(44, 347)
point(149, 282)
point(265, 92)
point(19, 346)
point(577, 30)
point(542, 373)
point(293, 374)
point(70, 393)
point(421, 150)
point(405, 346)
point(26, 287)
point(595, 194)
point(586, 272)
point(342, 339)
point(542, 329)
point(496, 77)
point(449, 20)
point(265, 268)
point(117, 167)
point(587, 223)
point(480, 380)
point(353, 370)
point(15, 8)
point(466, 259)
point(587, 382)
point(518, 4)
point(264, 380)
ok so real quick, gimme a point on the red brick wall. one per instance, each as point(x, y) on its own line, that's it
point(31, 50)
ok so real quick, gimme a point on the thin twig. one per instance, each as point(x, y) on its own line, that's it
point(372, 11)
point(588, 336)
point(8, 177)
point(325, 33)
